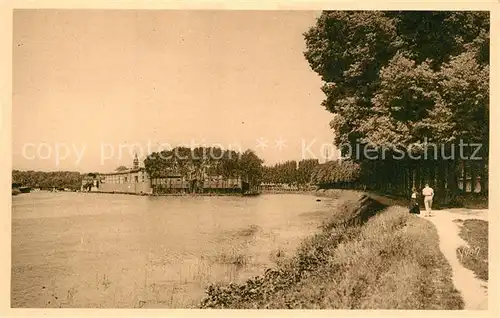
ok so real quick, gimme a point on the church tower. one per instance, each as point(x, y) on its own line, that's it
point(136, 162)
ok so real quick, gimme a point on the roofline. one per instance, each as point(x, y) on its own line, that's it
point(123, 172)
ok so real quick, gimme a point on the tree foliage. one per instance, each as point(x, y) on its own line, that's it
point(195, 163)
point(290, 172)
point(41, 179)
point(400, 78)
point(284, 173)
point(397, 77)
point(250, 166)
point(336, 172)
point(305, 170)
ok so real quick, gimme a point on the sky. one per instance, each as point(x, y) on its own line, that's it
point(91, 88)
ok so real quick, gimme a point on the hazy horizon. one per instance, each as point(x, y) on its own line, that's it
point(91, 79)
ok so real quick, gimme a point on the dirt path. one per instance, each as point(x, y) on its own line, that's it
point(474, 291)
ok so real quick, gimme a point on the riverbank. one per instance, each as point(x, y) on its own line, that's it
point(170, 194)
point(368, 256)
point(464, 200)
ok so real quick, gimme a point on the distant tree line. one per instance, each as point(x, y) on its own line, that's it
point(290, 172)
point(194, 163)
point(41, 179)
point(337, 174)
point(332, 174)
point(398, 79)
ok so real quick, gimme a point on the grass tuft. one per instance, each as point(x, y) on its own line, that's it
point(232, 258)
point(248, 232)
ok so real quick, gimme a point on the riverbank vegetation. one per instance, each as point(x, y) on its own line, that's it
point(48, 180)
point(410, 94)
point(290, 172)
point(337, 174)
point(193, 164)
point(367, 256)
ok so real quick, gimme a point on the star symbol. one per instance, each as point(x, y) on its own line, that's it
point(280, 144)
point(261, 143)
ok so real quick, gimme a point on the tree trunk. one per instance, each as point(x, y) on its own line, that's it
point(411, 179)
point(464, 176)
point(418, 176)
point(398, 186)
point(373, 175)
point(453, 169)
point(484, 176)
point(431, 176)
point(403, 187)
point(385, 177)
point(440, 182)
point(404, 181)
point(473, 176)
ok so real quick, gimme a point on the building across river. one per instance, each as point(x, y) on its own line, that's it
point(137, 180)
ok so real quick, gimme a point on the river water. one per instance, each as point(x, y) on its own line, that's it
point(123, 251)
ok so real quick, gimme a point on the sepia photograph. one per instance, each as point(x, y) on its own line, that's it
point(250, 159)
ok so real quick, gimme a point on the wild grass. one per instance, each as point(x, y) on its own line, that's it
point(475, 255)
point(360, 260)
point(277, 256)
point(249, 231)
point(232, 258)
point(345, 195)
point(470, 201)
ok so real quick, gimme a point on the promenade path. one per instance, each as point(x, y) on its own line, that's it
point(474, 290)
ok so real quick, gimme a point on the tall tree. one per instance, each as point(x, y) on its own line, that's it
point(250, 166)
point(395, 79)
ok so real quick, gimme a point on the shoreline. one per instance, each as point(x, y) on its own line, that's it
point(330, 193)
point(306, 192)
point(354, 254)
point(209, 194)
point(172, 194)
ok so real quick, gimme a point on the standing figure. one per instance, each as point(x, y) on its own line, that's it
point(414, 207)
point(428, 194)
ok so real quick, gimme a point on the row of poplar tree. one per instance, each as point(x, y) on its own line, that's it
point(400, 79)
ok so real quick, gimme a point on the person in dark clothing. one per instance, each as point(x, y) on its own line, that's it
point(414, 207)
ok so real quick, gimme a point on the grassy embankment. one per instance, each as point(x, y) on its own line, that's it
point(475, 255)
point(367, 256)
